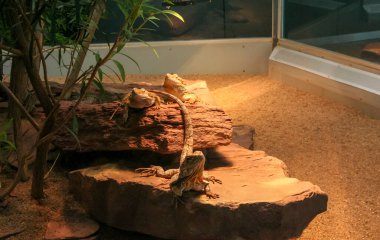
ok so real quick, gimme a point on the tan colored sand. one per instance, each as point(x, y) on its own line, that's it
point(321, 141)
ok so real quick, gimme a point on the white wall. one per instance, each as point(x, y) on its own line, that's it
point(249, 55)
point(348, 85)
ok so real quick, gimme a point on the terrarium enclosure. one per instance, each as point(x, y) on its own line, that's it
point(190, 119)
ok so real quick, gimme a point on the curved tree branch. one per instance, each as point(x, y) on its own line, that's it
point(20, 106)
point(14, 51)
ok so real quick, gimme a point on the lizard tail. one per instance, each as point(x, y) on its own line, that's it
point(188, 126)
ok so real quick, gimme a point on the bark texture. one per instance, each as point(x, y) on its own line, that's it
point(159, 130)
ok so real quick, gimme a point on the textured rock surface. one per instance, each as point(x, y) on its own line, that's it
point(257, 199)
point(159, 130)
point(71, 227)
point(244, 135)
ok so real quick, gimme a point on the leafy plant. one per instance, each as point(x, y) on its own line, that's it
point(69, 27)
point(6, 145)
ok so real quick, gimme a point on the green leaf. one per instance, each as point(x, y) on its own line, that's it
point(74, 135)
point(82, 86)
point(7, 125)
point(152, 22)
point(98, 84)
point(154, 18)
point(113, 70)
point(75, 125)
point(133, 60)
point(173, 13)
point(100, 74)
point(97, 56)
point(120, 46)
point(10, 144)
point(168, 1)
point(121, 69)
point(153, 49)
point(3, 136)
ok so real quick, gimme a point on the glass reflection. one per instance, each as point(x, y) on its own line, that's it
point(204, 19)
point(351, 27)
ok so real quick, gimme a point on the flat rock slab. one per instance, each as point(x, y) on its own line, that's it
point(244, 135)
point(257, 199)
point(71, 227)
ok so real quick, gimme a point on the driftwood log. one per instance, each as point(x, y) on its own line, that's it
point(159, 130)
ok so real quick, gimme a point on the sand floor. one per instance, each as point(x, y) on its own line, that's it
point(331, 145)
point(320, 141)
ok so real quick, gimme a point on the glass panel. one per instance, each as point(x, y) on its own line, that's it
point(351, 27)
point(204, 19)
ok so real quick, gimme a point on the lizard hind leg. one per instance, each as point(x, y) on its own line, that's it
point(157, 171)
point(151, 171)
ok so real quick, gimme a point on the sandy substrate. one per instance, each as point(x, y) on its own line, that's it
point(333, 146)
point(321, 141)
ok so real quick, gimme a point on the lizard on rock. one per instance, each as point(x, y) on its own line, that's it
point(175, 85)
point(189, 176)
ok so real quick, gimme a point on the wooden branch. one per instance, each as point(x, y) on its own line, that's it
point(33, 74)
point(159, 130)
point(12, 50)
point(38, 43)
point(20, 106)
point(13, 232)
point(96, 14)
point(20, 171)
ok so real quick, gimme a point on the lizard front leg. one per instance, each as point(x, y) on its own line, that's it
point(204, 187)
point(211, 178)
point(207, 190)
point(125, 114)
point(157, 102)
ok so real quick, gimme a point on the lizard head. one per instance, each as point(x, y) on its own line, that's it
point(140, 92)
point(140, 98)
point(173, 79)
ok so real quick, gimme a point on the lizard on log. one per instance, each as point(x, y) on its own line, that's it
point(189, 176)
point(175, 85)
point(138, 98)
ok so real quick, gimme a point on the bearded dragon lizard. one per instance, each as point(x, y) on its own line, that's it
point(175, 85)
point(189, 176)
point(138, 98)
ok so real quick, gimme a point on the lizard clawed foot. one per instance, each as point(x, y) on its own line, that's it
point(156, 107)
point(211, 195)
point(213, 180)
point(208, 192)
